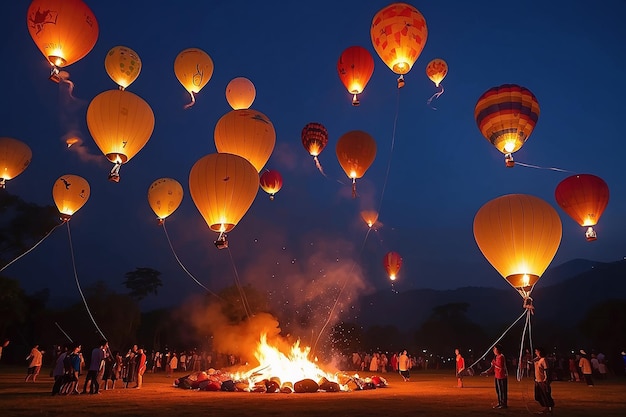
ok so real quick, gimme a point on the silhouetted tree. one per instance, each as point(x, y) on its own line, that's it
point(22, 224)
point(142, 282)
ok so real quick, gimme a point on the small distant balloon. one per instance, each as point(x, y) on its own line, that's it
point(355, 68)
point(193, 68)
point(71, 141)
point(356, 151)
point(240, 93)
point(70, 193)
point(392, 262)
point(370, 217)
point(314, 139)
point(436, 71)
point(271, 182)
point(123, 65)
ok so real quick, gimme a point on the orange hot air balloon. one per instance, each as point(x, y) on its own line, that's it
point(519, 235)
point(370, 217)
point(355, 68)
point(247, 133)
point(15, 156)
point(583, 197)
point(123, 65)
point(271, 182)
point(164, 197)
point(63, 30)
point(356, 151)
point(392, 262)
point(436, 70)
point(120, 123)
point(506, 116)
point(240, 93)
point(314, 138)
point(223, 187)
point(399, 34)
point(193, 68)
point(70, 193)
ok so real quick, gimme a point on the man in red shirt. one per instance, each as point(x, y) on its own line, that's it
point(141, 367)
point(498, 369)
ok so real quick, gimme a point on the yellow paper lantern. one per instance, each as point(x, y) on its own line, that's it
point(164, 197)
point(15, 156)
point(123, 65)
point(240, 93)
point(193, 68)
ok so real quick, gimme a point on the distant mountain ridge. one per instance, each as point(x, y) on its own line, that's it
point(575, 287)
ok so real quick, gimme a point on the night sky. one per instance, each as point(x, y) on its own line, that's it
point(428, 188)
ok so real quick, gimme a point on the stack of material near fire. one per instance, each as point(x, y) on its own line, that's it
point(306, 385)
point(329, 386)
point(286, 387)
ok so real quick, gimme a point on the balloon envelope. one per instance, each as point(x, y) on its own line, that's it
point(399, 34)
point(164, 196)
point(356, 151)
point(519, 235)
point(583, 197)
point(355, 68)
point(193, 68)
point(223, 187)
point(392, 262)
point(15, 156)
point(240, 93)
point(63, 30)
point(271, 182)
point(436, 70)
point(123, 65)
point(314, 138)
point(120, 123)
point(70, 193)
point(247, 133)
point(370, 217)
point(506, 116)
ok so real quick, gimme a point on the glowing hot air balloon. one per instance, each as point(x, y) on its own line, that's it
point(164, 197)
point(392, 262)
point(63, 30)
point(123, 65)
point(519, 235)
point(247, 133)
point(370, 217)
point(355, 68)
point(436, 71)
point(240, 93)
point(314, 139)
point(70, 193)
point(15, 156)
point(356, 151)
point(506, 116)
point(194, 69)
point(399, 34)
point(583, 197)
point(120, 123)
point(223, 187)
point(271, 182)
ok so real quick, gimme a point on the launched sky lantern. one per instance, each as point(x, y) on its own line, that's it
point(583, 197)
point(240, 93)
point(247, 133)
point(399, 34)
point(120, 123)
point(436, 71)
point(223, 187)
point(123, 65)
point(15, 156)
point(164, 197)
point(392, 262)
point(271, 182)
point(70, 193)
point(355, 68)
point(193, 68)
point(370, 217)
point(314, 139)
point(356, 151)
point(506, 116)
point(519, 235)
point(63, 30)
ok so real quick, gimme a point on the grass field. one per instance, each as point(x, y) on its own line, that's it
point(428, 393)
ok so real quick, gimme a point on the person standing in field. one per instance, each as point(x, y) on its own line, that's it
point(404, 366)
point(499, 371)
point(585, 366)
point(543, 391)
point(34, 366)
point(460, 367)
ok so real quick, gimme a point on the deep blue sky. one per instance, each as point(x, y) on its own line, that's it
point(570, 54)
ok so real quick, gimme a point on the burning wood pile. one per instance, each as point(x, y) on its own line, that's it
point(279, 372)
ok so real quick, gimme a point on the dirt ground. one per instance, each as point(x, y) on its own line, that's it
point(428, 393)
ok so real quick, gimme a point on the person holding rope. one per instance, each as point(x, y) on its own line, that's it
point(498, 369)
